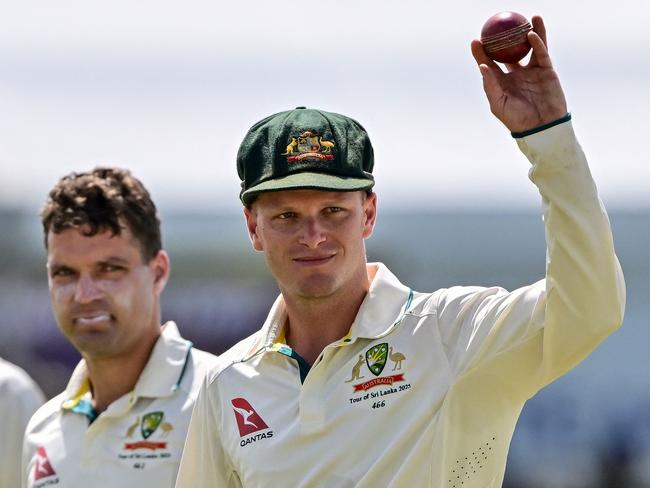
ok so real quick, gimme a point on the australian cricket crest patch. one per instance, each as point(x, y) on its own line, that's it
point(376, 358)
point(374, 389)
point(150, 423)
point(309, 145)
point(146, 440)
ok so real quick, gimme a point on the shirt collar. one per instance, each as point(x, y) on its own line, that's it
point(387, 300)
point(166, 366)
point(160, 377)
point(273, 328)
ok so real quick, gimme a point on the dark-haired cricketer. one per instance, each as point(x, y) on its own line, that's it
point(357, 380)
point(122, 419)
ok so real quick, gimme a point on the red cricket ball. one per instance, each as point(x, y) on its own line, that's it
point(504, 37)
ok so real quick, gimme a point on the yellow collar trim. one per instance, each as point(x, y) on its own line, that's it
point(281, 340)
point(83, 390)
point(346, 338)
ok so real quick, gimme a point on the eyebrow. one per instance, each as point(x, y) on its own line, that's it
point(114, 260)
point(109, 260)
point(52, 267)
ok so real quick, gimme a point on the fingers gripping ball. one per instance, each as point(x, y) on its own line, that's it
point(504, 37)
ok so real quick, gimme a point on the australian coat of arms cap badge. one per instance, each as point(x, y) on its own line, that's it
point(308, 145)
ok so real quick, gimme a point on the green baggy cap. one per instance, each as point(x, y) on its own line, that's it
point(305, 149)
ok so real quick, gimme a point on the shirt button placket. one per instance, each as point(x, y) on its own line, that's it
point(312, 399)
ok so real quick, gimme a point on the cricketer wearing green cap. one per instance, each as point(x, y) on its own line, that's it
point(355, 379)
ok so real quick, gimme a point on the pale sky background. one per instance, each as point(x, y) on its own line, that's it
point(168, 89)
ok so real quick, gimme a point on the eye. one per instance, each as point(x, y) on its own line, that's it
point(286, 215)
point(334, 209)
point(111, 268)
point(62, 272)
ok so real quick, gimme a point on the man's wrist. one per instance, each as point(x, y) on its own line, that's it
point(535, 130)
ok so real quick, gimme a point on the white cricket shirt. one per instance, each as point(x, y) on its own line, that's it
point(426, 388)
point(136, 442)
point(19, 399)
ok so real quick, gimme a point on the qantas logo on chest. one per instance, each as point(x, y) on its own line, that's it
point(249, 423)
point(42, 467)
point(248, 420)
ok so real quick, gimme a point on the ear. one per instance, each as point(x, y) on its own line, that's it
point(161, 268)
point(370, 214)
point(251, 225)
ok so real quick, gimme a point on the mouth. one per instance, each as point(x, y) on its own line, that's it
point(314, 260)
point(92, 319)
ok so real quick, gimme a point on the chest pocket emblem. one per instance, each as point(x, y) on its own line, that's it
point(150, 423)
point(376, 358)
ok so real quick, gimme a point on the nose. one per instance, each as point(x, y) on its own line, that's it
point(87, 289)
point(312, 233)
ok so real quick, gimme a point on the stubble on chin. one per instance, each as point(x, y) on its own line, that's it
point(315, 287)
point(92, 343)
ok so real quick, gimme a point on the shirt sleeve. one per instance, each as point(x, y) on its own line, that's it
point(19, 399)
point(204, 462)
point(534, 334)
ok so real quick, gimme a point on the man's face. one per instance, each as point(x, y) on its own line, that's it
point(105, 298)
point(313, 241)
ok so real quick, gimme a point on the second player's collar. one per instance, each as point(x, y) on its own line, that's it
point(166, 366)
point(160, 377)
